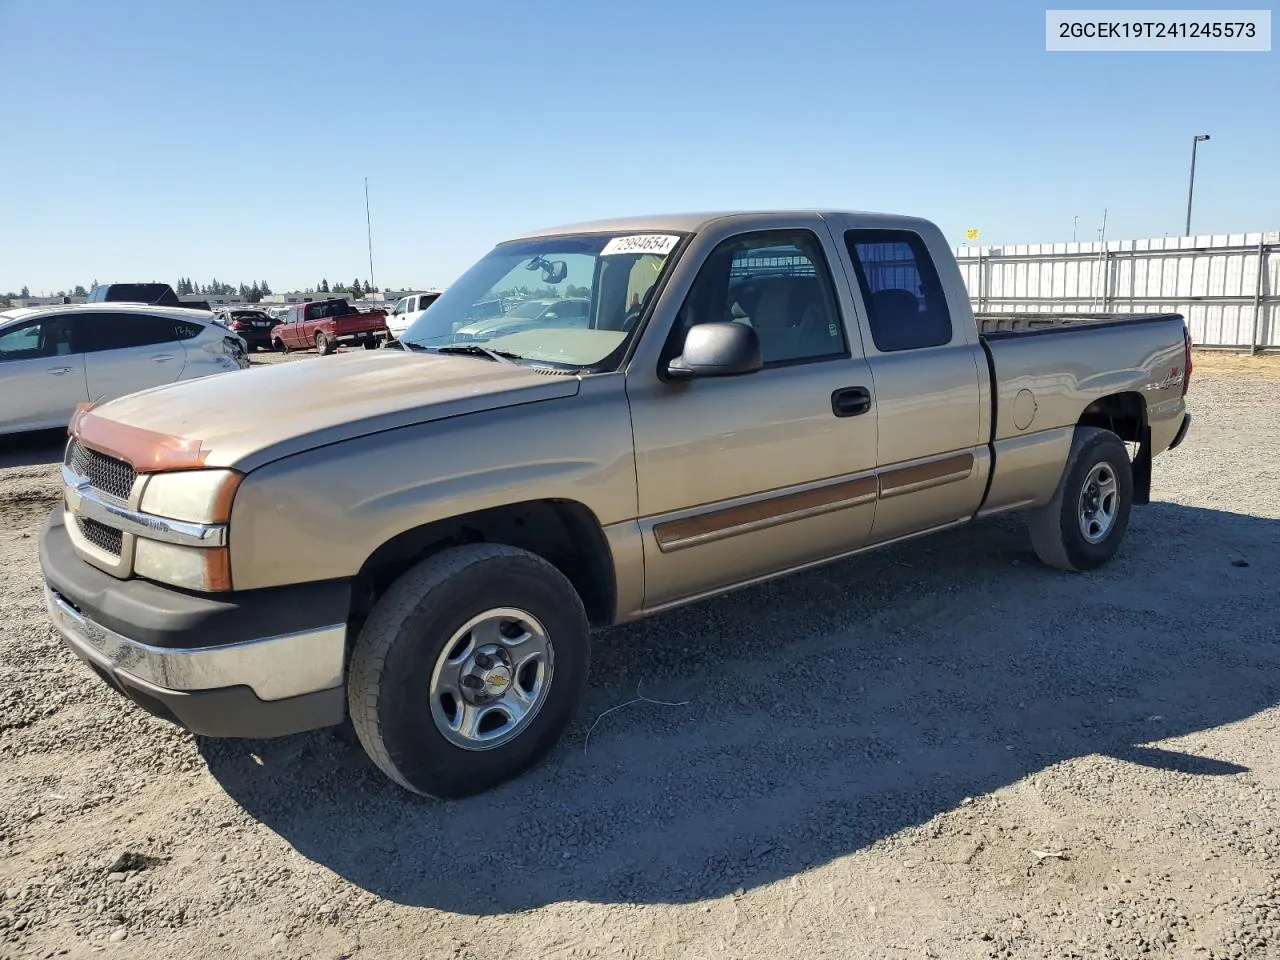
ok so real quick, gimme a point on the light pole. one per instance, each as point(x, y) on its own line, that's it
point(1191, 185)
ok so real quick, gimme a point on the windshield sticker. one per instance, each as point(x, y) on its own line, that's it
point(659, 243)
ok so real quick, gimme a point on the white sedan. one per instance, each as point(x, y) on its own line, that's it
point(53, 358)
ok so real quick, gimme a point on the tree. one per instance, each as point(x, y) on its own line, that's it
point(25, 292)
point(266, 290)
point(324, 286)
point(255, 293)
point(356, 289)
point(79, 291)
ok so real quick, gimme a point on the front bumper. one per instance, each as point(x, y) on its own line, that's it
point(263, 663)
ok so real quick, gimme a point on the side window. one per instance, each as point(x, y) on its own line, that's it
point(23, 342)
point(780, 284)
point(400, 308)
point(185, 329)
point(411, 305)
point(121, 331)
point(906, 306)
point(47, 337)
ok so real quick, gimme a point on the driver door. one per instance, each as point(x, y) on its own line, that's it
point(741, 477)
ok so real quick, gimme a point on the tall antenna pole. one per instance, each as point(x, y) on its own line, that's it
point(368, 223)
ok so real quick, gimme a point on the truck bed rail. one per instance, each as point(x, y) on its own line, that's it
point(1001, 325)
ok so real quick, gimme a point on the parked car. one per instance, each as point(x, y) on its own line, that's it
point(253, 326)
point(532, 314)
point(422, 539)
point(327, 324)
point(407, 310)
point(53, 358)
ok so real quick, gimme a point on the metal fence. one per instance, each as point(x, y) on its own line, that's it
point(1226, 285)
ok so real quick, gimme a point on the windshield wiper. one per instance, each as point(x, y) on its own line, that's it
point(406, 345)
point(475, 350)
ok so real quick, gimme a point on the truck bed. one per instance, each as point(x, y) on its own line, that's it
point(1041, 383)
point(1001, 325)
point(358, 322)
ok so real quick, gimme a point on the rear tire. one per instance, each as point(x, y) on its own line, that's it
point(323, 346)
point(419, 665)
point(371, 344)
point(1082, 527)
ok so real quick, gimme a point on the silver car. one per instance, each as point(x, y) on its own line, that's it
point(54, 358)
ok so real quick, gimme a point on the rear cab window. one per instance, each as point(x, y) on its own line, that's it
point(905, 303)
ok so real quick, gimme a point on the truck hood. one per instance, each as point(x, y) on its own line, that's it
point(246, 419)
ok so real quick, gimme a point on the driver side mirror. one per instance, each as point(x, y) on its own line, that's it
point(722, 349)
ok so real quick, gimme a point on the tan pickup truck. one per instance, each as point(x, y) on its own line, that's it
point(423, 538)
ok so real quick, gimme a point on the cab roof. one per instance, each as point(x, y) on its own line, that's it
point(694, 222)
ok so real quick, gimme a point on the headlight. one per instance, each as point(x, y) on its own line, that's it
point(203, 569)
point(197, 496)
point(191, 496)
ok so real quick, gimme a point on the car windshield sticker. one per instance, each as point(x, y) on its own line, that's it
point(659, 243)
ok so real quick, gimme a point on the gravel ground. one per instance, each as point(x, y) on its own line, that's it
point(943, 750)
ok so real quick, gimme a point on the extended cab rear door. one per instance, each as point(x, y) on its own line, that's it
point(929, 372)
point(746, 476)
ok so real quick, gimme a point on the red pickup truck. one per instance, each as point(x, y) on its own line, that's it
point(324, 324)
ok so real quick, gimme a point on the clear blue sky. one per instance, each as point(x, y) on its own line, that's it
point(157, 138)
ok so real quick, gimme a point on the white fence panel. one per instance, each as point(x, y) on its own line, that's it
point(1226, 285)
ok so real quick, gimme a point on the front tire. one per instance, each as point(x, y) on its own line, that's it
point(1082, 527)
point(468, 670)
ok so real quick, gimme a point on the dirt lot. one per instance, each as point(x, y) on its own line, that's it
point(940, 751)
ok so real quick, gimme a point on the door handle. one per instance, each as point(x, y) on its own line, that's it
point(162, 357)
point(850, 401)
point(58, 371)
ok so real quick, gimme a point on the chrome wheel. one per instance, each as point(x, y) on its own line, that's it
point(1099, 503)
point(491, 679)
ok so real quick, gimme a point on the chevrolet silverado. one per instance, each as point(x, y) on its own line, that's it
point(424, 539)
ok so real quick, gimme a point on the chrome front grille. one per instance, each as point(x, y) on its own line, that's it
point(106, 474)
point(108, 539)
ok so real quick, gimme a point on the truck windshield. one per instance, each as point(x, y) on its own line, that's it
point(572, 301)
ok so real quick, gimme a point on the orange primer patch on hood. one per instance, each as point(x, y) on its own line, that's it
point(145, 450)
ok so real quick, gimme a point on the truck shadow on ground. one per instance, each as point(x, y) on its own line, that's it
point(825, 711)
